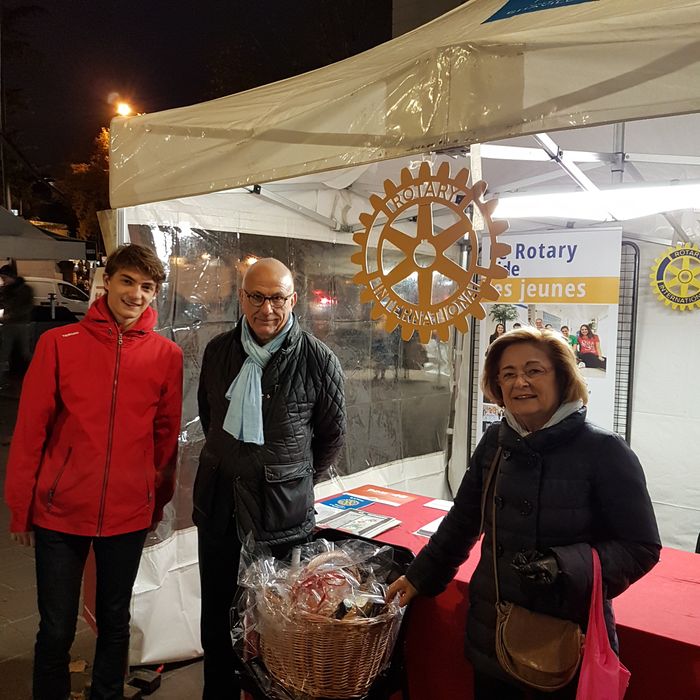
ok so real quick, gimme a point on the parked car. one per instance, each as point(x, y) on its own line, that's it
point(66, 294)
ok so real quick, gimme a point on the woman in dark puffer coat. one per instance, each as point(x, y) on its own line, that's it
point(563, 486)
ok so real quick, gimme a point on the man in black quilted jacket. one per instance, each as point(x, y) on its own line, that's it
point(272, 408)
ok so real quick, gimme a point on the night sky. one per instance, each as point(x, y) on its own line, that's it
point(160, 54)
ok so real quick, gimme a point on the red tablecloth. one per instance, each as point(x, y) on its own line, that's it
point(658, 621)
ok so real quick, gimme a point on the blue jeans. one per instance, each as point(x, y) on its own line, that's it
point(60, 560)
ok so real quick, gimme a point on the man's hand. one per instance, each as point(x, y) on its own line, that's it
point(405, 590)
point(26, 539)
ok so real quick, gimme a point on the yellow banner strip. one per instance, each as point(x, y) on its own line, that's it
point(559, 290)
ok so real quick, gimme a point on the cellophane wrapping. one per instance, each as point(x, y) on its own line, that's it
point(306, 614)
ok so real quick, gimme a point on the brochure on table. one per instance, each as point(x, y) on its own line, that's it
point(359, 522)
point(344, 512)
point(347, 500)
point(382, 494)
point(439, 504)
point(428, 530)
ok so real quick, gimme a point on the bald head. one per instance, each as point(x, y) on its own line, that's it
point(269, 269)
point(267, 298)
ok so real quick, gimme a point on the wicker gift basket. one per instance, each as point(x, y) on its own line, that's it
point(323, 657)
point(313, 636)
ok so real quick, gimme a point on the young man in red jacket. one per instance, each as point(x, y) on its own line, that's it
point(92, 462)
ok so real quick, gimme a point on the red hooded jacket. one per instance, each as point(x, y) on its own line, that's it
point(95, 445)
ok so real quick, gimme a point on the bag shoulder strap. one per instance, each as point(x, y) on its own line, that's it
point(493, 535)
point(597, 588)
point(486, 486)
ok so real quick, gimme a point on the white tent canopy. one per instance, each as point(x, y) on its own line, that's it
point(453, 82)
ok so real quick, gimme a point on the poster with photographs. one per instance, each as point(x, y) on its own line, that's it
point(568, 281)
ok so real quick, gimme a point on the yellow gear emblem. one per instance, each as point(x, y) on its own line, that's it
point(675, 277)
point(408, 277)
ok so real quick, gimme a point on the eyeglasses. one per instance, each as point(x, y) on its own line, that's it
point(531, 374)
point(277, 301)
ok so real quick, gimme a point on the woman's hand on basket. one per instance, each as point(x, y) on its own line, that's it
point(404, 589)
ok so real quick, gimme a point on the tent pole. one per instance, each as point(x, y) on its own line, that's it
point(618, 166)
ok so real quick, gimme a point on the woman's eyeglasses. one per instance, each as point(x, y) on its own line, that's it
point(277, 301)
point(531, 374)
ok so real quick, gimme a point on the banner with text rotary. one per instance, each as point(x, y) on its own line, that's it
point(563, 279)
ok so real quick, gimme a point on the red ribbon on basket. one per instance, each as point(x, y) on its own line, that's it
point(320, 592)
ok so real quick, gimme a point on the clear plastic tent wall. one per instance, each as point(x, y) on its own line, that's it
point(457, 80)
point(397, 393)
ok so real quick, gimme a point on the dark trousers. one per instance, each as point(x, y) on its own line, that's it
point(591, 360)
point(15, 352)
point(219, 557)
point(60, 560)
point(490, 688)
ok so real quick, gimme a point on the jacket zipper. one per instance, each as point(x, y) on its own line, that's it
point(148, 490)
point(110, 435)
point(52, 490)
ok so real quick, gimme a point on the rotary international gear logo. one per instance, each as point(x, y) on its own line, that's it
point(675, 277)
point(407, 274)
point(349, 502)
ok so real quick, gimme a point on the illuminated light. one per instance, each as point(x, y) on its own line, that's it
point(205, 256)
point(617, 204)
point(561, 205)
point(123, 109)
point(250, 260)
point(322, 298)
point(514, 153)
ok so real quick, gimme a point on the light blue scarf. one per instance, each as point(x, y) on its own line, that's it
point(244, 416)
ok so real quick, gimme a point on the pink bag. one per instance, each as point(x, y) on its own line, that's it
point(602, 677)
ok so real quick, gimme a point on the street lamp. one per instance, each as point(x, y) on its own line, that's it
point(123, 109)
